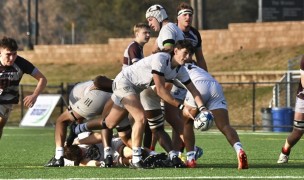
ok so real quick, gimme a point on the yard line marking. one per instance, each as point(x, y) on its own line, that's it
point(201, 177)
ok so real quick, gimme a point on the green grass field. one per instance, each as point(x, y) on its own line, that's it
point(24, 151)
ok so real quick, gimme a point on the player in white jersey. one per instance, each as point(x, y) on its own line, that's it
point(86, 100)
point(150, 72)
point(214, 99)
point(169, 33)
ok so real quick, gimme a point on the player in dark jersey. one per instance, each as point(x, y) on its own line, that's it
point(184, 21)
point(12, 68)
point(134, 51)
point(298, 123)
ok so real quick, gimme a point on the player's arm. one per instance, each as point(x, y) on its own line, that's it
point(162, 92)
point(200, 60)
point(30, 100)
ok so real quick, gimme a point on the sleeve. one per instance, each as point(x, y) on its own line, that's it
point(26, 66)
point(158, 64)
point(183, 76)
point(167, 36)
point(135, 53)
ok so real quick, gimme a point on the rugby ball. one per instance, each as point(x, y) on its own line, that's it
point(203, 121)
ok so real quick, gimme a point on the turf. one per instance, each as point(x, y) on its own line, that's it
point(24, 151)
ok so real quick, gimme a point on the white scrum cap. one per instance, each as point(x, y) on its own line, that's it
point(158, 12)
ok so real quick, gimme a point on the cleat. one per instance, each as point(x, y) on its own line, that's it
point(184, 159)
point(139, 165)
point(108, 161)
point(55, 162)
point(198, 152)
point(242, 160)
point(150, 161)
point(72, 134)
point(191, 164)
point(283, 158)
point(177, 162)
point(155, 160)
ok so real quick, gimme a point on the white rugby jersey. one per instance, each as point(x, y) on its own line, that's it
point(140, 73)
point(169, 33)
point(80, 89)
point(198, 74)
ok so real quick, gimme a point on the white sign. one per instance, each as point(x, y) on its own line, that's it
point(39, 114)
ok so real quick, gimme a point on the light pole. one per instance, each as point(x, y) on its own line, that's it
point(29, 30)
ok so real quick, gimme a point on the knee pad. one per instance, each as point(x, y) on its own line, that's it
point(156, 122)
point(298, 124)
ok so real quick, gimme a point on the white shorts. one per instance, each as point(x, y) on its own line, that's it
point(212, 94)
point(91, 104)
point(122, 87)
point(5, 110)
point(149, 99)
point(299, 106)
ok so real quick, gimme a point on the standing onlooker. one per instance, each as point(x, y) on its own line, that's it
point(298, 123)
point(133, 53)
point(169, 33)
point(184, 21)
point(12, 68)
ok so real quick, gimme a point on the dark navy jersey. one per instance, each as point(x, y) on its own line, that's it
point(194, 36)
point(10, 77)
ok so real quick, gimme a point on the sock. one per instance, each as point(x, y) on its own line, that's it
point(59, 152)
point(237, 147)
point(81, 128)
point(107, 151)
point(136, 157)
point(285, 151)
point(172, 154)
point(190, 155)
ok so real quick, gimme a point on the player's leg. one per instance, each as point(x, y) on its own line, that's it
point(174, 118)
point(62, 123)
point(151, 103)
point(134, 107)
point(5, 110)
point(296, 134)
point(221, 118)
point(2, 124)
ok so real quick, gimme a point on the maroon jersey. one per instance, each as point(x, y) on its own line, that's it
point(132, 54)
point(300, 87)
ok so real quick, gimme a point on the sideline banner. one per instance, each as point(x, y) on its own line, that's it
point(39, 114)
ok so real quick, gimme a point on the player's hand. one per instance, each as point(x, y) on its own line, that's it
point(29, 101)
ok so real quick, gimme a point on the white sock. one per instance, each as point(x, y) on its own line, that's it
point(59, 152)
point(136, 156)
point(172, 154)
point(237, 147)
point(190, 155)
